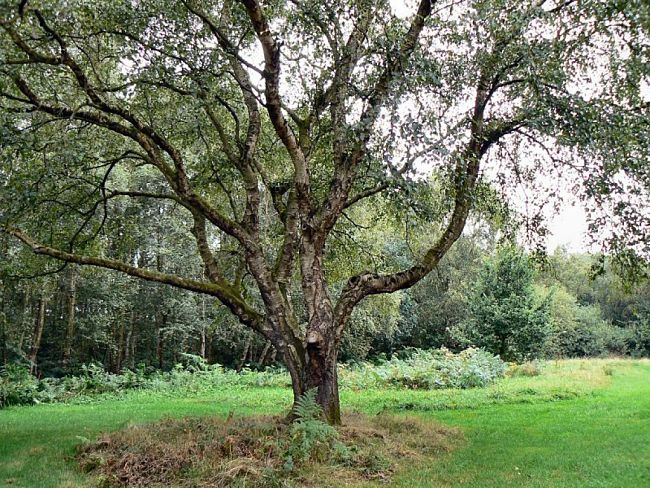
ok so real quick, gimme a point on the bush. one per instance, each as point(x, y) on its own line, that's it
point(19, 387)
point(586, 340)
point(531, 368)
point(432, 369)
point(638, 339)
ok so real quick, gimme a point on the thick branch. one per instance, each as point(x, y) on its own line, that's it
point(244, 312)
point(271, 51)
point(466, 175)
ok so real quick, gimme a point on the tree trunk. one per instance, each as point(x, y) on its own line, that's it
point(265, 351)
point(321, 374)
point(127, 361)
point(204, 332)
point(3, 327)
point(160, 351)
point(121, 335)
point(38, 333)
point(24, 319)
point(70, 323)
point(319, 368)
point(317, 371)
point(244, 355)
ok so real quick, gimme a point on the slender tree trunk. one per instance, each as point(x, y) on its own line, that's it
point(242, 360)
point(160, 347)
point(127, 341)
point(265, 351)
point(121, 337)
point(203, 343)
point(3, 325)
point(209, 350)
point(24, 319)
point(203, 329)
point(3, 313)
point(37, 334)
point(70, 323)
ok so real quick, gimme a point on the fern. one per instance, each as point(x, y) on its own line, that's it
point(307, 408)
point(310, 437)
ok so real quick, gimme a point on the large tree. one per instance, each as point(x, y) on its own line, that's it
point(269, 123)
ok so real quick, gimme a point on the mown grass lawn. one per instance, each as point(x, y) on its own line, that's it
point(581, 423)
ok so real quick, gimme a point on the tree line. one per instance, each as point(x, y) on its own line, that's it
point(483, 294)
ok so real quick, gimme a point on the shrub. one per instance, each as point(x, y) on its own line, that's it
point(432, 369)
point(18, 386)
point(416, 369)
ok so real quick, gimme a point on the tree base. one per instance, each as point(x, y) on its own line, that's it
point(263, 450)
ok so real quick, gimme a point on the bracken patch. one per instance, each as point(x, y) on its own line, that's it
point(253, 451)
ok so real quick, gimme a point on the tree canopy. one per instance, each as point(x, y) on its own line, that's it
point(270, 133)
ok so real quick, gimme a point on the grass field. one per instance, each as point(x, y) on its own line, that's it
point(580, 423)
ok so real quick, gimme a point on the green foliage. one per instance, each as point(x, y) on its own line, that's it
point(581, 331)
point(18, 386)
point(306, 408)
point(531, 368)
point(432, 309)
point(505, 315)
point(310, 437)
point(433, 369)
point(639, 339)
point(421, 369)
point(600, 419)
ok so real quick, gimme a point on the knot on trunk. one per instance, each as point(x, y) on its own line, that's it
point(314, 339)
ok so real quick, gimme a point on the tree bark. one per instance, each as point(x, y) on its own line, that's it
point(322, 374)
point(242, 360)
point(37, 334)
point(70, 322)
point(126, 361)
point(203, 329)
point(3, 326)
point(263, 354)
point(160, 351)
point(121, 336)
point(25, 319)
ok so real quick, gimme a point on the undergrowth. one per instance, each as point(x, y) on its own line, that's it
point(420, 369)
point(262, 451)
point(427, 370)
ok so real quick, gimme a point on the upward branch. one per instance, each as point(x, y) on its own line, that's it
point(355, 146)
point(466, 175)
point(274, 104)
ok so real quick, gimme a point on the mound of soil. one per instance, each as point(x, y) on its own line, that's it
point(261, 452)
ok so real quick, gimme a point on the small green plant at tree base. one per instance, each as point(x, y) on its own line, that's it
point(310, 437)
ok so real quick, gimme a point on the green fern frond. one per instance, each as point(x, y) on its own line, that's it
point(307, 408)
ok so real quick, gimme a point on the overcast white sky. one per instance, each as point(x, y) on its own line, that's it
point(569, 229)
